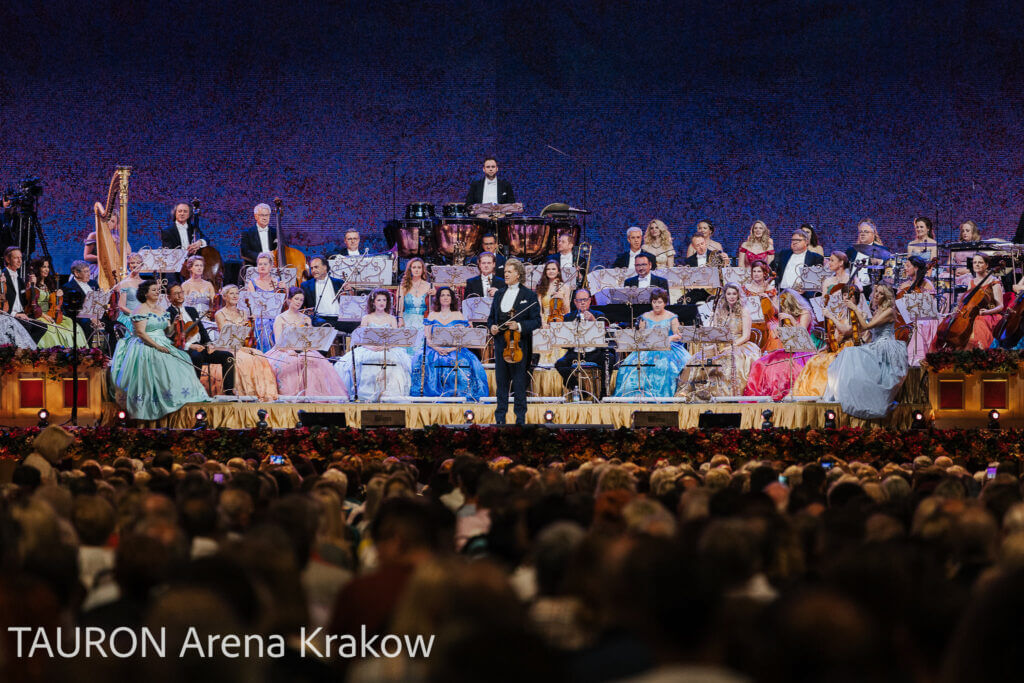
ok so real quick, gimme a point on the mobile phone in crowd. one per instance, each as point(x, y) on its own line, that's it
point(277, 460)
point(990, 473)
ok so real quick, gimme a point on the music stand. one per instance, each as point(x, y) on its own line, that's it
point(639, 341)
point(700, 277)
point(915, 307)
point(261, 304)
point(702, 336)
point(600, 280)
point(795, 340)
point(810, 278)
point(459, 338)
point(362, 271)
point(477, 308)
point(303, 340)
point(384, 338)
point(162, 260)
point(284, 276)
point(452, 276)
point(577, 335)
point(631, 296)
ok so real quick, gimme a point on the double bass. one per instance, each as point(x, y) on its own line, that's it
point(213, 264)
point(289, 257)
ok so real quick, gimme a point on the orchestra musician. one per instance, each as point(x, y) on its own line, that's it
point(867, 233)
point(307, 372)
point(758, 246)
point(17, 302)
point(490, 189)
point(515, 309)
point(701, 257)
point(916, 282)
point(762, 286)
point(127, 302)
point(658, 241)
point(362, 369)
point(568, 254)
point(182, 233)
point(969, 232)
point(56, 334)
point(791, 261)
point(197, 290)
point(731, 361)
point(412, 300)
point(554, 296)
point(321, 294)
point(264, 281)
point(813, 378)
point(75, 290)
point(654, 373)
point(197, 346)
point(254, 375)
point(566, 365)
point(445, 370)
point(635, 237)
point(705, 230)
point(644, 279)
point(991, 306)
point(924, 239)
point(813, 244)
point(258, 238)
point(352, 239)
point(490, 246)
point(487, 282)
point(773, 373)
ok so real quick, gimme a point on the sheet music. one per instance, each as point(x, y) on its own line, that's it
point(352, 307)
point(307, 338)
point(392, 337)
point(579, 334)
point(648, 339)
point(753, 306)
point(705, 335)
point(477, 308)
point(811, 277)
point(796, 339)
point(453, 276)
point(608, 278)
point(162, 260)
point(375, 271)
point(466, 337)
point(231, 337)
point(260, 304)
point(95, 304)
point(916, 307)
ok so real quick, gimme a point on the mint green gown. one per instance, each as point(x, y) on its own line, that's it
point(149, 383)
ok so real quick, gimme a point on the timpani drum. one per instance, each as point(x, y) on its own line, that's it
point(525, 236)
point(411, 237)
point(455, 210)
point(560, 226)
point(419, 211)
point(459, 237)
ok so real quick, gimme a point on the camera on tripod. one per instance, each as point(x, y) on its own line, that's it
point(25, 196)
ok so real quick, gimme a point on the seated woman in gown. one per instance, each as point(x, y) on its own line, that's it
point(435, 369)
point(65, 332)
point(301, 373)
point(654, 373)
point(773, 373)
point(151, 376)
point(126, 289)
point(362, 368)
point(813, 378)
point(199, 292)
point(865, 379)
point(263, 281)
point(254, 376)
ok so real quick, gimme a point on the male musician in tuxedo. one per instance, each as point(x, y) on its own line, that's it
point(699, 259)
point(321, 293)
point(643, 278)
point(568, 256)
point(260, 237)
point(489, 189)
point(487, 282)
point(635, 237)
point(490, 246)
point(352, 239)
point(567, 363)
point(75, 290)
point(182, 233)
point(791, 261)
point(515, 299)
point(16, 301)
point(198, 345)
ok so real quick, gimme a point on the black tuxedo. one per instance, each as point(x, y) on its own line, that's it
point(16, 291)
point(528, 309)
point(225, 359)
point(655, 282)
point(169, 238)
point(566, 365)
point(499, 263)
point(309, 296)
point(811, 258)
point(250, 245)
point(475, 285)
point(475, 195)
point(622, 260)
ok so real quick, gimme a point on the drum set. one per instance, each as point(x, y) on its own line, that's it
point(456, 235)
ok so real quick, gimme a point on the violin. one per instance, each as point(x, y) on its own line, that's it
point(832, 336)
point(955, 330)
point(56, 300)
point(556, 310)
point(32, 307)
point(513, 351)
point(848, 290)
point(184, 331)
point(216, 303)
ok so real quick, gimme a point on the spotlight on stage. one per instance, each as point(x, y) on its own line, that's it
point(549, 416)
point(122, 418)
point(262, 415)
point(830, 419)
point(201, 420)
point(469, 417)
point(993, 420)
point(767, 415)
point(918, 422)
point(44, 418)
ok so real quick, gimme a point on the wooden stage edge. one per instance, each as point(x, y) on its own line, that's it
point(242, 415)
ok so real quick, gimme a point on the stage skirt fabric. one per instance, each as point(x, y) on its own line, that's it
point(434, 374)
point(413, 310)
point(865, 379)
point(813, 379)
point(306, 374)
point(773, 373)
point(62, 334)
point(150, 383)
point(921, 341)
point(981, 335)
point(13, 333)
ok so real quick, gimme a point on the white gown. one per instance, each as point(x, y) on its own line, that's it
point(370, 375)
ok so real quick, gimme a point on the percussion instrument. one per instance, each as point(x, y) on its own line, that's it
point(560, 226)
point(873, 251)
point(455, 210)
point(459, 238)
point(525, 236)
point(419, 210)
point(410, 237)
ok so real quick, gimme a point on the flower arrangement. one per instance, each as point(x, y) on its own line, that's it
point(55, 362)
point(974, 360)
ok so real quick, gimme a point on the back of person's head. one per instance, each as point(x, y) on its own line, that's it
point(813, 476)
point(729, 548)
point(296, 516)
point(93, 518)
point(141, 563)
point(762, 476)
point(198, 516)
point(987, 639)
point(468, 476)
point(408, 525)
point(26, 477)
point(554, 548)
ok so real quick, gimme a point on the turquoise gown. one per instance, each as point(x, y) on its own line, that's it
point(865, 379)
point(150, 384)
point(659, 380)
point(436, 372)
point(132, 303)
point(414, 309)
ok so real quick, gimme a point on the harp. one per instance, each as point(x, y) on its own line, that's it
point(112, 230)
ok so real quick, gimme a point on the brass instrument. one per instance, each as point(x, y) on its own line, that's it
point(585, 248)
point(112, 253)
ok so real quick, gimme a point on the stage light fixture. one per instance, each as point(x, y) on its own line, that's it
point(830, 419)
point(262, 415)
point(469, 417)
point(201, 419)
point(549, 416)
point(766, 416)
point(918, 422)
point(993, 420)
point(44, 418)
point(122, 418)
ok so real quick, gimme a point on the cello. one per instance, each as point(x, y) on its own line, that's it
point(955, 330)
point(213, 264)
point(288, 257)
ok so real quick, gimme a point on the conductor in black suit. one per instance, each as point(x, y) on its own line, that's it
point(643, 278)
point(790, 261)
point(516, 300)
point(487, 282)
point(260, 237)
point(198, 346)
point(489, 189)
point(567, 363)
point(635, 237)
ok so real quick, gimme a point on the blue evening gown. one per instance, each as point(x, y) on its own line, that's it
point(659, 380)
point(436, 372)
point(865, 379)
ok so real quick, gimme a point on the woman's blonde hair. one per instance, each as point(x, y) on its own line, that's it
point(975, 230)
point(888, 299)
point(723, 310)
point(665, 242)
point(766, 239)
point(794, 303)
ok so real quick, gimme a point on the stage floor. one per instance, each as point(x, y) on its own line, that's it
point(241, 415)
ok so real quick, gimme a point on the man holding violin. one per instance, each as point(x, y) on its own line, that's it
point(15, 298)
point(191, 336)
point(515, 314)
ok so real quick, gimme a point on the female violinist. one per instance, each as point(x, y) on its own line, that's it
point(305, 372)
point(773, 373)
point(198, 292)
point(980, 308)
point(362, 369)
point(254, 376)
point(813, 379)
point(762, 286)
point(838, 263)
point(733, 359)
point(554, 298)
point(264, 281)
point(915, 271)
point(60, 330)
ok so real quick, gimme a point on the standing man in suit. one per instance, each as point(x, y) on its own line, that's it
point(487, 283)
point(643, 278)
point(515, 299)
point(75, 290)
point(16, 301)
point(567, 363)
point(490, 190)
point(260, 237)
point(320, 293)
point(182, 232)
point(198, 345)
point(791, 261)
point(635, 237)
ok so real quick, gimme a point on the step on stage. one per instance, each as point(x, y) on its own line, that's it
point(243, 415)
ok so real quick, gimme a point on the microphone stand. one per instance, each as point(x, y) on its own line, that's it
point(583, 165)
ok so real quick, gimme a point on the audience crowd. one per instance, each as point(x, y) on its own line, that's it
point(600, 571)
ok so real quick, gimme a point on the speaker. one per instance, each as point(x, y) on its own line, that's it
point(309, 419)
point(711, 420)
point(655, 418)
point(382, 418)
